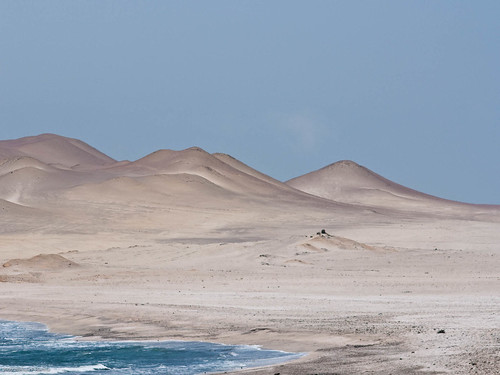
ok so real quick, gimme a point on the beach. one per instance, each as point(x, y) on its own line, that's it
point(353, 310)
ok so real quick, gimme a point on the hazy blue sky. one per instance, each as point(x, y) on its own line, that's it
point(410, 89)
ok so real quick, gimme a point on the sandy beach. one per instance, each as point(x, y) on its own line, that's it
point(364, 275)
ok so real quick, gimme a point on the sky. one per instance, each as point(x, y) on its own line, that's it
point(409, 89)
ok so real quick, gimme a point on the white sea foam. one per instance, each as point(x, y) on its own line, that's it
point(25, 370)
point(41, 348)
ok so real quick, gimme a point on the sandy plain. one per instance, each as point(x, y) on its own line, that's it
point(196, 246)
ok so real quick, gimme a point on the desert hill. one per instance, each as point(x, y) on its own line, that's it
point(70, 178)
point(54, 149)
point(348, 182)
point(49, 164)
point(77, 186)
point(218, 169)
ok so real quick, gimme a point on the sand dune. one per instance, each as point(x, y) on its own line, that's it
point(73, 163)
point(41, 262)
point(327, 242)
point(235, 163)
point(13, 164)
point(10, 209)
point(191, 180)
point(17, 186)
point(31, 185)
point(19, 175)
point(348, 182)
point(221, 170)
point(35, 269)
point(158, 188)
point(54, 149)
point(52, 163)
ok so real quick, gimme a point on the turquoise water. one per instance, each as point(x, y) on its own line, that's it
point(28, 349)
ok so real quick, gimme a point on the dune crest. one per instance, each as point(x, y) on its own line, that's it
point(19, 162)
point(218, 169)
point(348, 182)
point(57, 150)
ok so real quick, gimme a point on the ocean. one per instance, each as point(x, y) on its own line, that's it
point(29, 349)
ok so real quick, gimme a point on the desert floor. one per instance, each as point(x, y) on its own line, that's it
point(363, 298)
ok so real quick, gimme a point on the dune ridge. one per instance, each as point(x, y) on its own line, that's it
point(59, 163)
point(55, 149)
point(348, 182)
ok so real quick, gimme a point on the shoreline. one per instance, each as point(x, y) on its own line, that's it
point(345, 354)
point(289, 357)
point(316, 358)
point(326, 353)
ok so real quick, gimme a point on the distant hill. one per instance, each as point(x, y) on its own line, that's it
point(52, 165)
point(62, 175)
point(55, 149)
point(348, 182)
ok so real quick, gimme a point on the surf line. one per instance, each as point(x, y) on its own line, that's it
point(44, 352)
